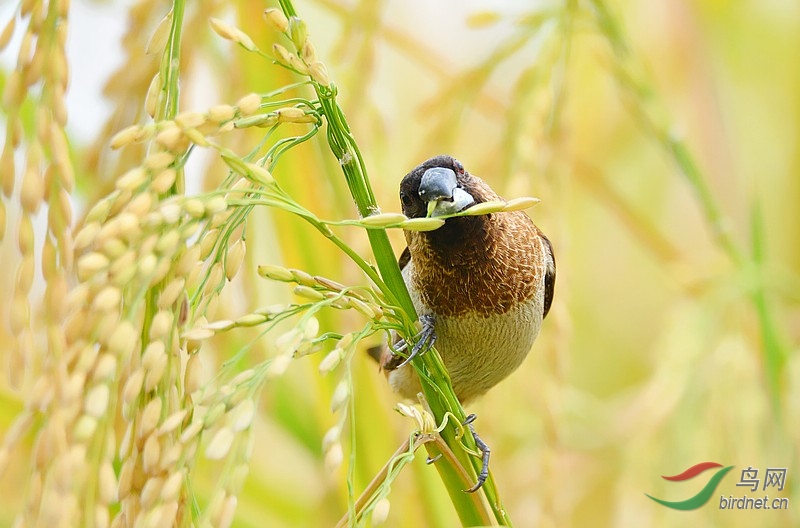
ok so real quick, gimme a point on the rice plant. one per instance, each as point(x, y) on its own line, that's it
point(190, 294)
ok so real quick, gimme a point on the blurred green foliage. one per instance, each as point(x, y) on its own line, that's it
point(663, 140)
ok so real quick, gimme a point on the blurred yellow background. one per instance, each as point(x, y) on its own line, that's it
point(662, 139)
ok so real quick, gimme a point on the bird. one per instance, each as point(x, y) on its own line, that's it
point(481, 285)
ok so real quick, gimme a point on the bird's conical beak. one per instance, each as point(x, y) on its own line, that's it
point(439, 188)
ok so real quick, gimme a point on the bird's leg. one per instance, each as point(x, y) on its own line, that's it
point(425, 340)
point(485, 451)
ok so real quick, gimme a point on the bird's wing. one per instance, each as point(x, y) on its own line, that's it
point(405, 258)
point(549, 275)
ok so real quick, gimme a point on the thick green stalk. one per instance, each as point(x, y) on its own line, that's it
point(441, 397)
point(435, 381)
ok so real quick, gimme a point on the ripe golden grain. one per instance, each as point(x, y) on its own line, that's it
point(126, 136)
point(191, 432)
point(140, 205)
point(105, 369)
point(156, 373)
point(193, 377)
point(273, 16)
point(102, 517)
point(241, 416)
point(132, 179)
point(170, 137)
point(422, 224)
point(158, 39)
point(485, 208)
point(72, 389)
point(167, 243)
point(220, 443)
point(149, 417)
point(108, 298)
point(163, 181)
point(158, 161)
point(213, 282)
point(84, 428)
point(172, 422)
point(216, 204)
point(8, 32)
point(19, 316)
point(25, 238)
point(7, 174)
point(86, 236)
point(196, 137)
point(249, 104)
point(133, 387)
point(225, 517)
point(114, 248)
point(96, 400)
point(250, 320)
point(147, 265)
point(123, 270)
point(330, 361)
point(331, 437)
point(160, 327)
point(172, 486)
point(154, 91)
point(2, 220)
point(123, 339)
point(319, 73)
point(107, 483)
point(233, 262)
point(151, 491)
point(151, 454)
point(32, 190)
point(91, 264)
point(341, 395)
point(221, 325)
point(194, 207)
point(25, 271)
point(14, 91)
point(221, 113)
point(191, 119)
point(172, 455)
point(334, 457)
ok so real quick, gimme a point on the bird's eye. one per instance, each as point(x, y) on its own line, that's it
point(406, 199)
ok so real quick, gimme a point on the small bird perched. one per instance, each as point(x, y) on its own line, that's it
point(481, 284)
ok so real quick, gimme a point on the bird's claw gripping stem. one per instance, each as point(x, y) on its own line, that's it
point(485, 451)
point(425, 340)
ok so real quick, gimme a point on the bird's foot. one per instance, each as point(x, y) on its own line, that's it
point(485, 451)
point(425, 340)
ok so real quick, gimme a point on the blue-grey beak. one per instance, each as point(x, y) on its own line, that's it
point(439, 188)
point(437, 183)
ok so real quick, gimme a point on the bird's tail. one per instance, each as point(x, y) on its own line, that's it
point(376, 352)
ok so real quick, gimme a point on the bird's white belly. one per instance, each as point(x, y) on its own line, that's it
point(493, 347)
point(479, 351)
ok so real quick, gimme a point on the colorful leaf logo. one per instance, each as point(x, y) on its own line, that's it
point(704, 494)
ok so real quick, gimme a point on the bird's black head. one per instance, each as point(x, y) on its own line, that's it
point(438, 187)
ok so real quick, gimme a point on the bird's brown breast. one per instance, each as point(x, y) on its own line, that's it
point(485, 266)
